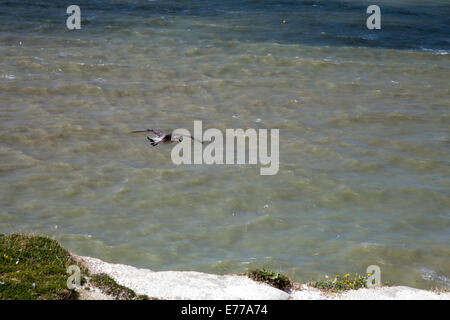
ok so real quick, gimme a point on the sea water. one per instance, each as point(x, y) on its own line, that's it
point(363, 118)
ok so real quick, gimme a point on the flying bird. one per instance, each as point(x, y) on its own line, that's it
point(164, 138)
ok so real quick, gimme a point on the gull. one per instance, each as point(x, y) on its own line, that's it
point(164, 138)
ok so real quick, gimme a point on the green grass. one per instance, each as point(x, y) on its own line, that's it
point(111, 287)
point(272, 278)
point(440, 290)
point(342, 283)
point(33, 267)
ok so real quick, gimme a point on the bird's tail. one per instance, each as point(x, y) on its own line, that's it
point(152, 142)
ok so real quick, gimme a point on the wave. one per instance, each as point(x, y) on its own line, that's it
point(436, 51)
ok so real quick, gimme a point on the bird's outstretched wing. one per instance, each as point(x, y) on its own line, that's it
point(184, 135)
point(159, 133)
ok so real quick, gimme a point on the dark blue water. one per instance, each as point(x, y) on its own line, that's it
point(404, 24)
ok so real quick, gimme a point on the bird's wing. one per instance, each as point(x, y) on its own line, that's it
point(159, 133)
point(184, 135)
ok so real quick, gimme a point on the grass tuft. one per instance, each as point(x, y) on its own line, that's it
point(342, 283)
point(272, 278)
point(109, 286)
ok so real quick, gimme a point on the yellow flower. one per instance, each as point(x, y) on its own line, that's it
point(348, 274)
point(6, 257)
point(337, 276)
point(368, 274)
point(350, 283)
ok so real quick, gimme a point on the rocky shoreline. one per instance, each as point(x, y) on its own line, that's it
point(191, 285)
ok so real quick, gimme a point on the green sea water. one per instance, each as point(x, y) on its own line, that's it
point(363, 116)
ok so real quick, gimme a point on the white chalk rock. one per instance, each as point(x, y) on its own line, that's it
point(182, 285)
